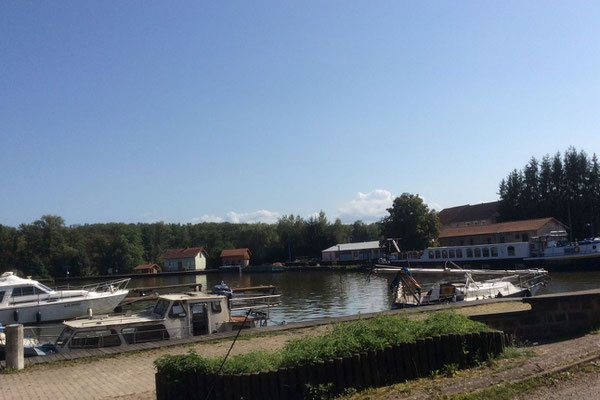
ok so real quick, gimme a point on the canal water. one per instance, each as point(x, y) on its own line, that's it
point(315, 294)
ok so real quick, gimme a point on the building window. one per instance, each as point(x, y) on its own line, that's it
point(489, 240)
point(471, 242)
point(517, 235)
point(525, 237)
point(511, 250)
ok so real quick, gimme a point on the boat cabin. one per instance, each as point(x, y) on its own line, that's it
point(174, 316)
point(15, 290)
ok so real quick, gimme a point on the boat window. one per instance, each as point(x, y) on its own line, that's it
point(437, 254)
point(470, 253)
point(91, 339)
point(1, 296)
point(477, 252)
point(216, 307)
point(177, 310)
point(22, 291)
point(511, 250)
point(444, 254)
point(486, 252)
point(451, 253)
point(148, 333)
point(458, 253)
point(44, 288)
point(431, 254)
point(161, 307)
point(494, 252)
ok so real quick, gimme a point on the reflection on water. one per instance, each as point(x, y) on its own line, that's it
point(310, 295)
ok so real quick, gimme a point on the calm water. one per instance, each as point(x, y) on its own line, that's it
point(310, 295)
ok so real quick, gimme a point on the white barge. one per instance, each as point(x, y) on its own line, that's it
point(551, 251)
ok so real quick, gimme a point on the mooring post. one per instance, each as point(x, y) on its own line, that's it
point(14, 347)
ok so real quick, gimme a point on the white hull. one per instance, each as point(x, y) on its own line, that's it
point(62, 309)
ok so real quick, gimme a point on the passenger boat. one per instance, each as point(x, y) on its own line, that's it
point(173, 316)
point(551, 251)
point(409, 293)
point(27, 301)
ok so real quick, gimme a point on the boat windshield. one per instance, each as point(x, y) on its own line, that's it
point(64, 337)
point(44, 287)
point(161, 307)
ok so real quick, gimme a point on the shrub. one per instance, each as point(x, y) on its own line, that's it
point(344, 340)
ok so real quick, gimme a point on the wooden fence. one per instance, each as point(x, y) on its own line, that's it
point(393, 364)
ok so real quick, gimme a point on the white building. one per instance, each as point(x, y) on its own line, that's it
point(191, 258)
point(353, 252)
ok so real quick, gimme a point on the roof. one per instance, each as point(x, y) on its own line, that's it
point(146, 266)
point(469, 212)
point(236, 252)
point(354, 246)
point(503, 227)
point(189, 252)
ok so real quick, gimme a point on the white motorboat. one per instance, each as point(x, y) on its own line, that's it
point(28, 301)
point(409, 293)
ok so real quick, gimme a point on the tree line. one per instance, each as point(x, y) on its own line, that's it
point(566, 187)
point(47, 247)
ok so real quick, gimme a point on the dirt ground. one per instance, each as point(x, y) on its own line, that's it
point(542, 358)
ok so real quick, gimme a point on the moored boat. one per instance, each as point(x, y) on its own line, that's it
point(27, 301)
point(409, 293)
point(173, 316)
point(550, 251)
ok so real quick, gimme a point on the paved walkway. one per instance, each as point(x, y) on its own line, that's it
point(128, 376)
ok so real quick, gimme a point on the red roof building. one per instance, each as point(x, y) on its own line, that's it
point(147, 269)
point(239, 257)
point(190, 258)
point(504, 232)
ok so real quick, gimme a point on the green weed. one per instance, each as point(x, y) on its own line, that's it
point(345, 339)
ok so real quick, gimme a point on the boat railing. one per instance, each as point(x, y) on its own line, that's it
point(109, 286)
point(261, 302)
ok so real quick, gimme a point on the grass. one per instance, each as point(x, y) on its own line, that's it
point(345, 339)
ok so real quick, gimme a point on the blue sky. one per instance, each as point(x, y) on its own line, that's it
point(142, 111)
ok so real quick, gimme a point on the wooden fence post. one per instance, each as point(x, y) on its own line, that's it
point(357, 373)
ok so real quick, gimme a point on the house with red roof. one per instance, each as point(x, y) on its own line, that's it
point(503, 232)
point(188, 259)
point(147, 269)
point(236, 257)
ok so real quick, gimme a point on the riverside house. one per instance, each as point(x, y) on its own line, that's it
point(190, 258)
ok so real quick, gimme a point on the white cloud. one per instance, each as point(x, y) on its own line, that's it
point(265, 216)
point(207, 218)
point(368, 207)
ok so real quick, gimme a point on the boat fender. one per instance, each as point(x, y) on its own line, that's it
point(38, 317)
point(576, 249)
point(16, 315)
point(90, 312)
